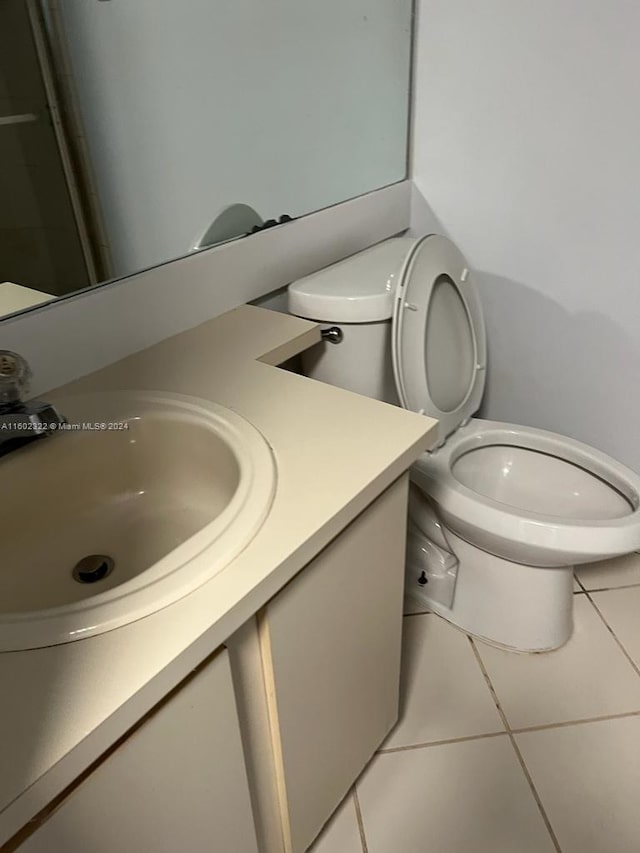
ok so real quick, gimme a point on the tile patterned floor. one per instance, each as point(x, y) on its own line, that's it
point(623, 571)
point(505, 753)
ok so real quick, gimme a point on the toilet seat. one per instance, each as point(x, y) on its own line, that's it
point(524, 535)
point(438, 335)
point(439, 356)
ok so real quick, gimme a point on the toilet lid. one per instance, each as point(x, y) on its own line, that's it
point(439, 342)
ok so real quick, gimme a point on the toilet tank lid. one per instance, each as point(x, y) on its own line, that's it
point(359, 289)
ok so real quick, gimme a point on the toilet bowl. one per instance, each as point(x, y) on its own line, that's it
point(499, 514)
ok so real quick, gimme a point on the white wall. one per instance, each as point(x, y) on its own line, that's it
point(526, 145)
point(287, 106)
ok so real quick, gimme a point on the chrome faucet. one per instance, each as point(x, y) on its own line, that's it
point(22, 421)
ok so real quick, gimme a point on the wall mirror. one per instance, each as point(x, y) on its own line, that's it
point(127, 127)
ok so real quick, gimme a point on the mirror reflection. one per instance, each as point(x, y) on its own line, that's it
point(132, 133)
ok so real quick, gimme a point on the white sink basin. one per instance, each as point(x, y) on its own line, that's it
point(144, 512)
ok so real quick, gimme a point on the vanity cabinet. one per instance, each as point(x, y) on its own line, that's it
point(330, 646)
point(254, 751)
point(178, 782)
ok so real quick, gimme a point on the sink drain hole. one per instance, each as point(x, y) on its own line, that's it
point(93, 568)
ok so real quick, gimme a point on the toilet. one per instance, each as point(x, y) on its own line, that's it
point(499, 514)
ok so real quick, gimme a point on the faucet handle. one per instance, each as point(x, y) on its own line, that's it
point(15, 375)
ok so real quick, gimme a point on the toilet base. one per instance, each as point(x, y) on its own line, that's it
point(510, 605)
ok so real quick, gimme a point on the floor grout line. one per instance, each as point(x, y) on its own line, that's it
point(613, 634)
point(609, 588)
point(536, 796)
point(516, 748)
point(360, 821)
point(426, 744)
point(494, 695)
point(516, 731)
point(545, 726)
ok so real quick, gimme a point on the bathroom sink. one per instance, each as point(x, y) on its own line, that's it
point(141, 499)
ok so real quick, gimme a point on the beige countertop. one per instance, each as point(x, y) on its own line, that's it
point(61, 707)
point(16, 297)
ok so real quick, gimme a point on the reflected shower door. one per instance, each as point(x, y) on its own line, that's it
point(41, 239)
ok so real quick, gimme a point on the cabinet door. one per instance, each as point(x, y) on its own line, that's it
point(177, 784)
point(331, 644)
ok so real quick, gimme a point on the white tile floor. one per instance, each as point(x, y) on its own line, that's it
point(504, 753)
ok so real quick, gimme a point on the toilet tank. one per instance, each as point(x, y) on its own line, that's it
point(356, 295)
